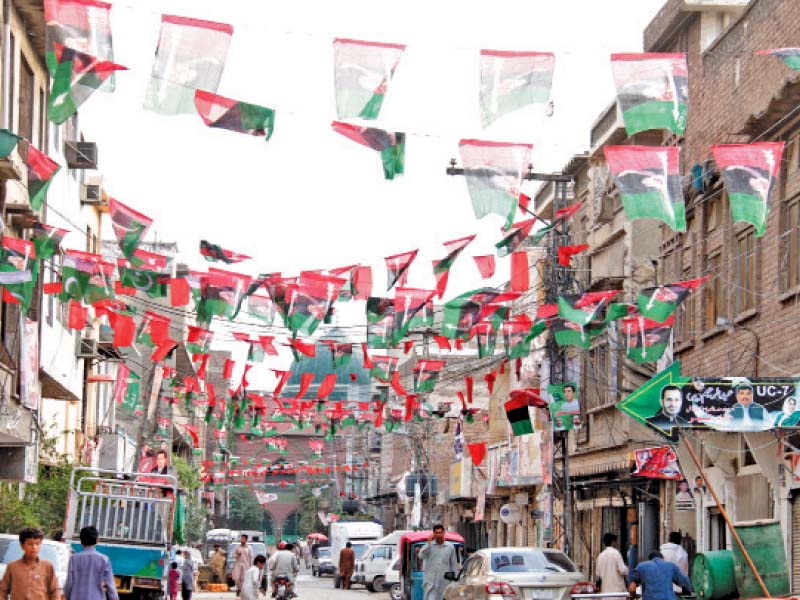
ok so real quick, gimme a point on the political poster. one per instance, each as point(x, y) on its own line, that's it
point(565, 410)
point(657, 463)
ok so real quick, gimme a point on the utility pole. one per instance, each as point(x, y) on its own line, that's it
point(558, 280)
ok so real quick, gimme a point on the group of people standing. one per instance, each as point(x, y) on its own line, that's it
point(665, 569)
point(89, 575)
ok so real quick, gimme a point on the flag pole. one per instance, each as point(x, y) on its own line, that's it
point(728, 521)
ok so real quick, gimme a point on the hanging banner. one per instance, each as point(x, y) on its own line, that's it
point(669, 402)
point(29, 391)
point(657, 463)
point(565, 410)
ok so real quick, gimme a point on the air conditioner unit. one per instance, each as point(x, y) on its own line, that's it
point(91, 194)
point(85, 348)
point(80, 155)
point(428, 484)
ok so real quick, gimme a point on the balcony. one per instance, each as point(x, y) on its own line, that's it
point(608, 129)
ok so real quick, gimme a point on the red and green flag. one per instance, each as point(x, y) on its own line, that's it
point(397, 267)
point(190, 56)
point(645, 339)
point(310, 300)
point(362, 72)
point(652, 90)
point(565, 253)
point(41, 170)
point(659, 302)
point(426, 374)
point(383, 367)
point(516, 236)
point(584, 308)
point(220, 294)
point(493, 171)
point(75, 76)
point(512, 80)
point(341, 354)
point(749, 172)
point(567, 333)
point(86, 277)
point(17, 270)
point(485, 335)
point(130, 226)
point(279, 289)
point(518, 415)
point(649, 182)
point(412, 308)
point(462, 313)
point(516, 337)
point(225, 113)
point(392, 146)
point(486, 265)
point(381, 322)
point(789, 56)
point(198, 340)
point(146, 279)
point(441, 267)
point(213, 252)
point(262, 308)
point(47, 239)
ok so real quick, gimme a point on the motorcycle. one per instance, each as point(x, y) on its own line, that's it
point(282, 589)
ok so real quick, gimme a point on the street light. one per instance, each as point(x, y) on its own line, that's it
point(728, 325)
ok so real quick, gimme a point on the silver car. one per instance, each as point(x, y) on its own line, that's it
point(518, 574)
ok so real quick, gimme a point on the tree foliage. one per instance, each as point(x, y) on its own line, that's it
point(245, 511)
point(189, 481)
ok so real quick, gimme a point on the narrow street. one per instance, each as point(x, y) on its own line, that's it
point(310, 588)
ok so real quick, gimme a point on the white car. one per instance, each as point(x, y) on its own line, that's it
point(56, 552)
point(391, 580)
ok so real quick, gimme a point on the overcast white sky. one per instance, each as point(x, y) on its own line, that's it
point(310, 198)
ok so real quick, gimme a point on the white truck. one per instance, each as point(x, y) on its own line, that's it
point(359, 533)
point(371, 568)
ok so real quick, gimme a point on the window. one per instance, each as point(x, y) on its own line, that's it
point(596, 376)
point(745, 271)
point(684, 315)
point(26, 100)
point(790, 242)
point(714, 292)
point(13, 70)
point(714, 211)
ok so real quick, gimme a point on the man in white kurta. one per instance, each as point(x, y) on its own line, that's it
point(439, 558)
point(611, 569)
point(251, 582)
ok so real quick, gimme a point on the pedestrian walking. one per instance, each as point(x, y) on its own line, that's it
point(307, 554)
point(217, 564)
point(673, 552)
point(243, 559)
point(610, 567)
point(174, 581)
point(187, 576)
point(440, 565)
point(657, 577)
point(89, 575)
point(251, 584)
point(30, 577)
point(347, 564)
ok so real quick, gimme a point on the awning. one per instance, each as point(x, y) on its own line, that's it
point(52, 389)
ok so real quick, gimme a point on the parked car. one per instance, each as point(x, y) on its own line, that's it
point(370, 568)
point(322, 563)
point(391, 580)
point(56, 552)
point(256, 547)
point(529, 573)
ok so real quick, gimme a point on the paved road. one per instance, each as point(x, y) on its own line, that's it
point(309, 588)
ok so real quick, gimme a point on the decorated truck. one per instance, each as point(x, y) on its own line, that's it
point(134, 514)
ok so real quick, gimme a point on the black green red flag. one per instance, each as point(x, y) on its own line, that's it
point(518, 415)
point(515, 238)
point(486, 336)
point(789, 56)
point(749, 172)
point(584, 308)
point(493, 172)
point(279, 291)
point(652, 90)
point(397, 267)
point(47, 239)
point(565, 253)
point(567, 333)
point(462, 313)
point(383, 367)
point(645, 339)
point(441, 267)
point(649, 181)
point(198, 340)
point(515, 336)
point(213, 252)
point(381, 322)
point(392, 146)
point(262, 308)
point(561, 216)
point(41, 170)
point(130, 226)
point(362, 72)
point(17, 268)
point(310, 300)
point(75, 76)
point(412, 308)
point(659, 302)
point(511, 80)
point(234, 115)
point(425, 375)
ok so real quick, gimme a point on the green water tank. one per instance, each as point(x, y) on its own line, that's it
point(713, 575)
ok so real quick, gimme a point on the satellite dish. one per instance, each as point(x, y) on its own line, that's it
point(510, 513)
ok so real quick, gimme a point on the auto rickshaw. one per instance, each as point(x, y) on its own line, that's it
point(411, 563)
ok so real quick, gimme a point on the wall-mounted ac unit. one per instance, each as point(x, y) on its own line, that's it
point(85, 348)
point(80, 155)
